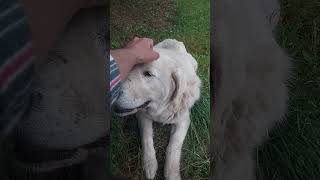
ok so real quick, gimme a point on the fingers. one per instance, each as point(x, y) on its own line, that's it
point(142, 48)
point(155, 55)
point(133, 42)
point(149, 42)
point(150, 55)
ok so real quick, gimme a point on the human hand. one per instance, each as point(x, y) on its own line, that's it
point(47, 20)
point(142, 49)
point(139, 50)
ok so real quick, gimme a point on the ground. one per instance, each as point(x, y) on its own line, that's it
point(293, 151)
point(186, 21)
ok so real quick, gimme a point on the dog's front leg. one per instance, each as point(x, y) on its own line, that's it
point(149, 154)
point(173, 153)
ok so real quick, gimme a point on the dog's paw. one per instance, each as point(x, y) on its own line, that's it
point(150, 166)
point(172, 175)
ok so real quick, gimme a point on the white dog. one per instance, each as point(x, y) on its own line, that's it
point(250, 92)
point(162, 91)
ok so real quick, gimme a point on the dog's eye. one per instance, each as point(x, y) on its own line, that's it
point(147, 74)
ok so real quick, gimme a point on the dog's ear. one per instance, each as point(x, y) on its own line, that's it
point(186, 91)
point(178, 96)
point(172, 44)
point(193, 61)
point(178, 46)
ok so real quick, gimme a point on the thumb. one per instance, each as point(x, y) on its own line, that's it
point(152, 56)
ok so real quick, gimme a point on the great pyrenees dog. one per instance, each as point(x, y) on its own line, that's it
point(162, 91)
point(250, 93)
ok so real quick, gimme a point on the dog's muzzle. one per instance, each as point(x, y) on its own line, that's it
point(119, 111)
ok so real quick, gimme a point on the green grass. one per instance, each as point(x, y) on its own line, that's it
point(187, 21)
point(293, 152)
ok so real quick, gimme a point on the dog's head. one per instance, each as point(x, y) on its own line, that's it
point(170, 83)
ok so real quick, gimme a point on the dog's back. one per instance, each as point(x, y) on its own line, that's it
point(250, 91)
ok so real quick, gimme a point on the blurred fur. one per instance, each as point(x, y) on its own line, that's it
point(250, 95)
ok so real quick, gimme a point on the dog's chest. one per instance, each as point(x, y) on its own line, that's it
point(162, 118)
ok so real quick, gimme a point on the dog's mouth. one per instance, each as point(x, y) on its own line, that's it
point(119, 111)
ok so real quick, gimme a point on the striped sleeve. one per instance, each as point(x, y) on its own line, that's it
point(115, 80)
point(15, 64)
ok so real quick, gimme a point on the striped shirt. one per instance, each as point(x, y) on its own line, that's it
point(15, 64)
point(114, 80)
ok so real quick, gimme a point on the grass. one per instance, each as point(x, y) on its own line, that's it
point(186, 21)
point(293, 151)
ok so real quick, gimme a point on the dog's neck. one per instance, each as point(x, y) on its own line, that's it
point(164, 115)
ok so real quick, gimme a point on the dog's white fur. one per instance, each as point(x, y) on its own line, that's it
point(172, 90)
point(250, 72)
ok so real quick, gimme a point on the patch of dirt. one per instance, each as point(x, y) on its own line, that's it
point(154, 14)
point(126, 15)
